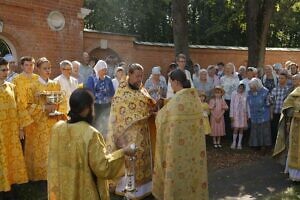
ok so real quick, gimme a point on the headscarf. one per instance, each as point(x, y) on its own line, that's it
point(203, 70)
point(275, 79)
point(256, 82)
point(101, 64)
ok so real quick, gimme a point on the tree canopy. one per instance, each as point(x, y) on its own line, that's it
point(210, 22)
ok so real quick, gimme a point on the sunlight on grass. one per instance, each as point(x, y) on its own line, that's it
point(290, 193)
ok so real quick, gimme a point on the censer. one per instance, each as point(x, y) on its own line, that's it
point(130, 175)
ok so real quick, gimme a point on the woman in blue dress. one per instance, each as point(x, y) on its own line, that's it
point(259, 111)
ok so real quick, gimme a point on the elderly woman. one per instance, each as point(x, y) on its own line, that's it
point(295, 82)
point(102, 87)
point(202, 84)
point(269, 79)
point(180, 170)
point(293, 68)
point(156, 87)
point(120, 75)
point(67, 84)
point(242, 72)
point(75, 72)
point(259, 112)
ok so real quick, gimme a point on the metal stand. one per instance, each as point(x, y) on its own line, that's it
point(130, 188)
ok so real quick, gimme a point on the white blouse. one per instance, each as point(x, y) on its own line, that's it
point(229, 84)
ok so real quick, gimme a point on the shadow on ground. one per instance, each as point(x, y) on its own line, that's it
point(233, 175)
point(258, 180)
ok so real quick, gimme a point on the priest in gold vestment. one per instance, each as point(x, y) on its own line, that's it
point(12, 164)
point(78, 163)
point(37, 141)
point(180, 164)
point(128, 123)
point(289, 127)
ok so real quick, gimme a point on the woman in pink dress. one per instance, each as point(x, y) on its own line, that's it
point(218, 106)
point(238, 115)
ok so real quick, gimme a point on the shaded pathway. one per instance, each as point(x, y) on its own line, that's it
point(257, 180)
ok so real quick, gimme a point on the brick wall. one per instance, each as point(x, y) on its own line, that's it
point(26, 27)
point(150, 54)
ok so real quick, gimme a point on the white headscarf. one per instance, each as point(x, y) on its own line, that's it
point(203, 71)
point(275, 79)
point(256, 82)
point(101, 64)
point(234, 73)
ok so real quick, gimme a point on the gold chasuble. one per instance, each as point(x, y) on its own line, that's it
point(128, 123)
point(12, 164)
point(24, 98)
point(290, 109)
point(37, 140)
point(79, 164)
point(180, 166)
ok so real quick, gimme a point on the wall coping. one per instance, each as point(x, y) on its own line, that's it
point(109, 33)
point(171, 45)
point(212, 46)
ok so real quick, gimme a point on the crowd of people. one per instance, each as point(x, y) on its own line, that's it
point(80, 143)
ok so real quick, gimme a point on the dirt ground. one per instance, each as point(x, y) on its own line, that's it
point(217, 159)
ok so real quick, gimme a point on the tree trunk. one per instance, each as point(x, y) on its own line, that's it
point(252, 9)
point(267, 11)
point(180, 28)
point(258, 15)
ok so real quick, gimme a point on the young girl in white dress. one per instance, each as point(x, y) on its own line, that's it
point(238, 115)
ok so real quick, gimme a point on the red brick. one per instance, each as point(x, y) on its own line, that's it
point(25, 26)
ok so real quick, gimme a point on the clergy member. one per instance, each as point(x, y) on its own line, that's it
point(79, 163)
point(12, 164)
point(130, 110)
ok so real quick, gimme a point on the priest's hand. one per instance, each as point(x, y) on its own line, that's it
point(21, 134)
point(152, 108)
point(50, 107)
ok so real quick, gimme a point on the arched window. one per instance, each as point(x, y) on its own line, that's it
point(4, 48)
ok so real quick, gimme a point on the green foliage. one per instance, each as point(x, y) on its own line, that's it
point(150, 19)
point(217, 22)
point(285, 25)
point(211, 22)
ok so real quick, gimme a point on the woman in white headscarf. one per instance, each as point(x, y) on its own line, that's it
point(102, 87)
point(269, 79)
point(259, 111)
point(202, 84)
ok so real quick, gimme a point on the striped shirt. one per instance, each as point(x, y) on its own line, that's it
point(278, 95)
